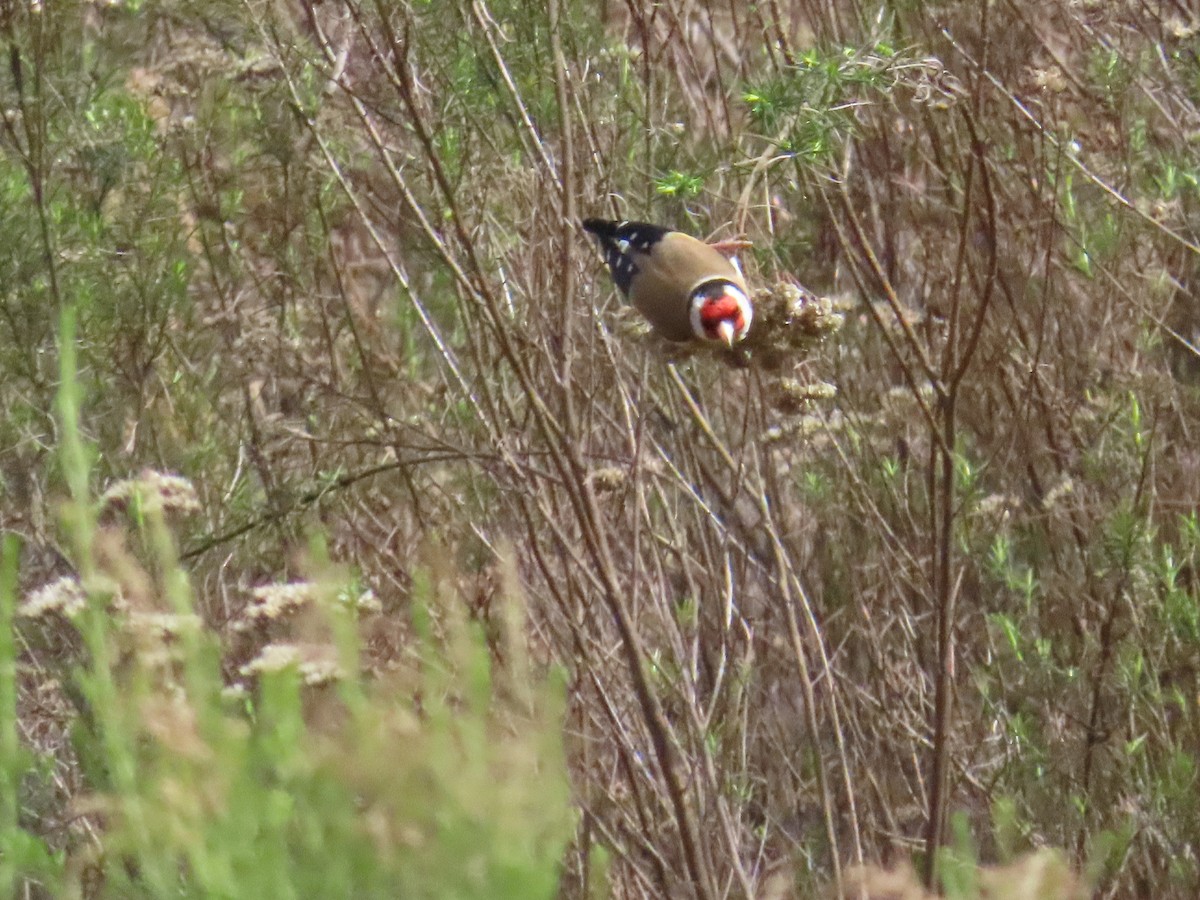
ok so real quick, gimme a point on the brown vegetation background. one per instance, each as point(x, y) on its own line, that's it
point(334, 276)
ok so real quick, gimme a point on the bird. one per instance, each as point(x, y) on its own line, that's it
point(687, 290)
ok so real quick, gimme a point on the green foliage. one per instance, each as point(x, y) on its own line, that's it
point(24, 856)
point(1043, 875)
point(1110, 72)
point(809, 110)
point(679, 184)
point(91, 223)
point(1127, 665)
point(445, 779)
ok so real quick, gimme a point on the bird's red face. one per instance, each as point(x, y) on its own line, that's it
point(721, 313)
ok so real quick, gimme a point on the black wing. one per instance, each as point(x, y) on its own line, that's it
point(619, 241)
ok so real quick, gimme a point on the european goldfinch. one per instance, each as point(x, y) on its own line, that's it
point(687, 289)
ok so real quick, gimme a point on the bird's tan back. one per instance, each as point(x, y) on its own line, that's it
point(667, 276)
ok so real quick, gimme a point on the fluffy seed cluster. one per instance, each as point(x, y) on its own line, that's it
point(272, 602)
point(316, 663)
point(788, 320)
point(64, 596)
point(159, 491)
point(815, 430)
point(1056, 494)
point(163, 626)
point(793, 396)
point(608, 479)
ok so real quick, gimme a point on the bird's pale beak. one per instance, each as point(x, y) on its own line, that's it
point(725, 330)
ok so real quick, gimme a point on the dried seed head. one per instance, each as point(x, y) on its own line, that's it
point(64, 596)
point(153, 490)
point(793, 396)
point(608, 479)
point(316, 664)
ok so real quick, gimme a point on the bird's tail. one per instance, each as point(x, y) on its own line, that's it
point(605, 229)
point(639, 235)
